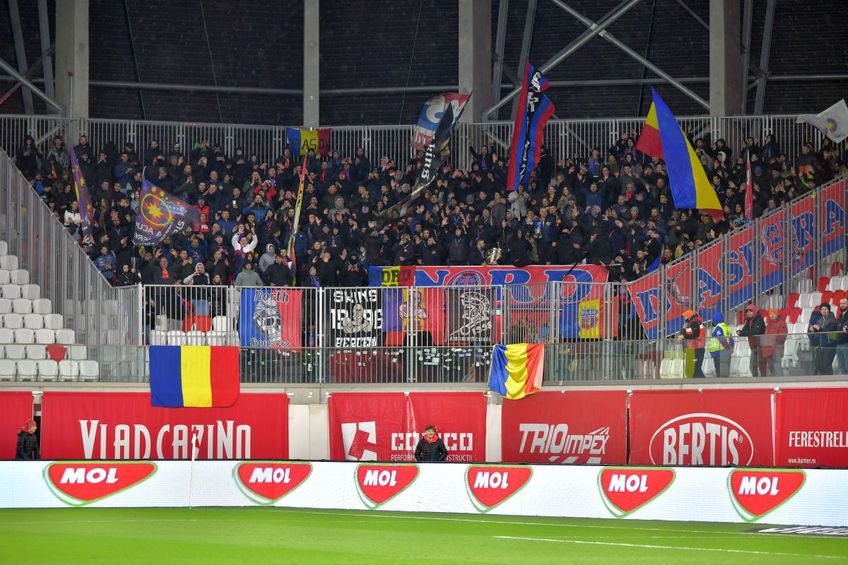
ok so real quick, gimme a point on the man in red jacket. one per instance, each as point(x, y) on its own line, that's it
point(693, 334)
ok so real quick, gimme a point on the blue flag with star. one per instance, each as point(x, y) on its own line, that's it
point(160, 215)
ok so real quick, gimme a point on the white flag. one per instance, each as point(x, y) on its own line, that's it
point(833, 122)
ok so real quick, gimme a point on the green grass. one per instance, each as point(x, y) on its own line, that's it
point(276, 535)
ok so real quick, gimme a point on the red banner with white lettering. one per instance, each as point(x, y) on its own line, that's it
point(812, 427)
point(15, 409)
point(709, 427)
point(387, 426)
point(571, 427)
point(123, 425)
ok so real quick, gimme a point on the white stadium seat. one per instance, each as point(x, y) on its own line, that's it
point(65, 337)
point(7, 370)
point(34, 321)
point(15, 352)
point(216, 338)
point(24, 336)
point(36, 352)
point(195, 337)
point(22, 306)
point(176, 337)
point(4, 248)
point(5, 276)
point(42, 306)
point(45, 337)
point(53, 321)
point(161, 323)
point(219, 324)
point(68, 370)
point(77, 352)
point(5, 305)
point(11, 291)
point(6, 336)
point(13, 321)
point(9, 262)
point(27, 370)
point(19, 276)
point(89, 371)
point(31, 291)
point(48, 370)
point(158, 337)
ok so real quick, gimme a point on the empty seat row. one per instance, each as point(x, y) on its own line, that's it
point(18, 277)
point(176, 337)
point(26, 336)
point(49, 370)
point(9, 262)
point(20, 305)
point(37, 352)
point(31, 321)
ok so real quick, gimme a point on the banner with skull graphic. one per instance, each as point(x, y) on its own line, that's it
point(470, 315)
point(270, 318)
point(355, 317)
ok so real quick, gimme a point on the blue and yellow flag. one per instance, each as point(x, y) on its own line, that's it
point(83, 198)
point(589, 316)
point(194, 376)
point(662, 137)
point(517, 369)
point(301, 141)
point(160, 215)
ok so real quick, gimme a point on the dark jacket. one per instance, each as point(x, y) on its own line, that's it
point(431, 450)
point(27, 446)
point(753, 328)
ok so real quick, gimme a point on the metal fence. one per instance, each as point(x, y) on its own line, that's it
point(564, 138)
point(99, 315)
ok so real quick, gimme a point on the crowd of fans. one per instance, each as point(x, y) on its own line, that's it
point(612, 207)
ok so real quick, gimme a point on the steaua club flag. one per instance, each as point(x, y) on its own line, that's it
point(160, 215)
point(301, 141)
point(662, 137)
point(517, 369)
point(194, 376)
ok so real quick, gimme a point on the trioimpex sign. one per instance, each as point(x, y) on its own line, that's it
point(702, 494)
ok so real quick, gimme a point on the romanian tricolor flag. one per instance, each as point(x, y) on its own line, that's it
point(517, 369)
point(301, 141)
point(662, 137)
point(194, 376)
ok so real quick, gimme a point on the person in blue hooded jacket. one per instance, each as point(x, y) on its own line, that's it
point(720, 345)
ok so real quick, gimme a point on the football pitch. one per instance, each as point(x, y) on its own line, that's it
point(279, 535)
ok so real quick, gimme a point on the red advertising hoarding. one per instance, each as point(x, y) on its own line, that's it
point(812, 427)
point(387, 426)
point(709, 427)
point(15, 409)
point(123, 425)
point(571, 427)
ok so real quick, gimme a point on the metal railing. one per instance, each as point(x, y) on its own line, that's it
point(564, 138)
point(99, 314)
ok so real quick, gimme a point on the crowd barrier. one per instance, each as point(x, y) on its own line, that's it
point(773, 496)
point(764, 427)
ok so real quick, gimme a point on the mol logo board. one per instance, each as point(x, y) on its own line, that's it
point(490, 486)
point(701, 439)
point(81, 483)
point(626, 489)
point(756, 493)
point(377, 484)
point(266, 482)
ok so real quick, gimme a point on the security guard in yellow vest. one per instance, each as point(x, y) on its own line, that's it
point(720, 345)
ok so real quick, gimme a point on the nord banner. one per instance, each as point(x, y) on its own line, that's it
point(123, 425)
point(709, 427)
point(387, 426)
point(571, 428)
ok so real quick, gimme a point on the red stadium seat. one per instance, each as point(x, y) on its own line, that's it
point(822, 284)
point(56, 352)
point(836, 269)
point(792, 301)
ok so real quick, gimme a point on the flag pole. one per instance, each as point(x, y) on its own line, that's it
point(191, 468)
point(296, 224)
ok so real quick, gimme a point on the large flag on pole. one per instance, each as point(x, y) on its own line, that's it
point(431, 115)
point(534, 111)
point(160, 215)
point(83, 198)
point(662, 137)
point(296, 225)
point(301, 141)
point(749, 193)
point(833, 122)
